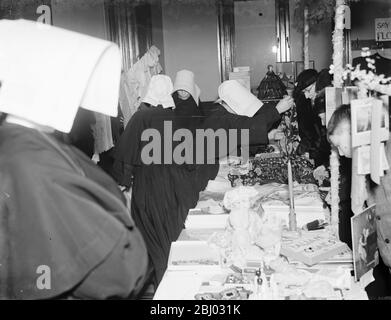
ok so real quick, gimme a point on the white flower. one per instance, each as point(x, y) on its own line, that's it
point(365, 80)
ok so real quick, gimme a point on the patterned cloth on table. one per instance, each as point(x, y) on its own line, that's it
point(273, 169)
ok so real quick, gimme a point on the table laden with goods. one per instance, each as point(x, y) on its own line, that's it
point(236, 245)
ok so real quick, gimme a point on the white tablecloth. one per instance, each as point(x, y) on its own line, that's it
point(184, 285)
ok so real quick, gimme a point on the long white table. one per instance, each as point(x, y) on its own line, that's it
point(185, 284)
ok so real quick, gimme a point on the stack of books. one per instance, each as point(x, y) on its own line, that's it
point(241, 74)
point(314, 247)
point(344, 260)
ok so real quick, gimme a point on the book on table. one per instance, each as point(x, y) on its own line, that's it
point(193, 255)
point(202, 218)
point(311, 247)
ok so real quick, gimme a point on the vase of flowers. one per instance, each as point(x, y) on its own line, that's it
point(288, 146)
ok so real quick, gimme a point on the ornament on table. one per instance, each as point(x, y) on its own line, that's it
point(269, 238)
point(222, 241)
point(271, 86)
point(237, 278)
point(238, 293)
point(289, 148)
point(245, 221)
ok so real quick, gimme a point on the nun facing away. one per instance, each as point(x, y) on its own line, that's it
point(162, 194)
point(237, 108)
point(65, 231)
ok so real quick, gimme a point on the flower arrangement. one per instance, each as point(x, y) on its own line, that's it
point(367, 81)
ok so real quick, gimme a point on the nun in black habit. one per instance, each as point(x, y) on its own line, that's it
point(65, 231)
point(162, 194)
point(162, 191)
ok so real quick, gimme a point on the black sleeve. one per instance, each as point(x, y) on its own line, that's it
point(70, 224)
point(126, 153)
point(258, 126)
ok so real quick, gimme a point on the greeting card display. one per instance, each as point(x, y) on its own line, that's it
point(361, 110)
point(364, 160)
point(364, 240)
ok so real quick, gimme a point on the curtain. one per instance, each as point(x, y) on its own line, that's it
point(283, 30)
point(129, 25)
point(226, 36)
point(122, 29)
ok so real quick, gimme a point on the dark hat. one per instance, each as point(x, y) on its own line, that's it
point(306, 78)
point(324, 80)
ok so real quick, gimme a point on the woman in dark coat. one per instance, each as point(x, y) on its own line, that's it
point(309, 95)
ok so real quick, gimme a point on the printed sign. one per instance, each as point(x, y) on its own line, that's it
point(383, 29)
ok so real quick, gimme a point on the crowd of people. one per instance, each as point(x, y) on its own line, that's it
point(61, 210)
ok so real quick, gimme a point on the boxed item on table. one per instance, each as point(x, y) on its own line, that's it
point(191, 255)
point(311, 247)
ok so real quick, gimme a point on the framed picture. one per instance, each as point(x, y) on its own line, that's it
point(361, 110)
point(364, 241)
point(286, 71)
point(333, 100)
point(300, 67)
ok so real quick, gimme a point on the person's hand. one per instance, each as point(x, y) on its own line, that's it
point(321, 173)
point(279, 135)
point(322, 117)
point(276, 134)
point(285, 104)
point(272, 134)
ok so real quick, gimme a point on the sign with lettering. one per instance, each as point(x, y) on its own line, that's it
point(383, 29)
